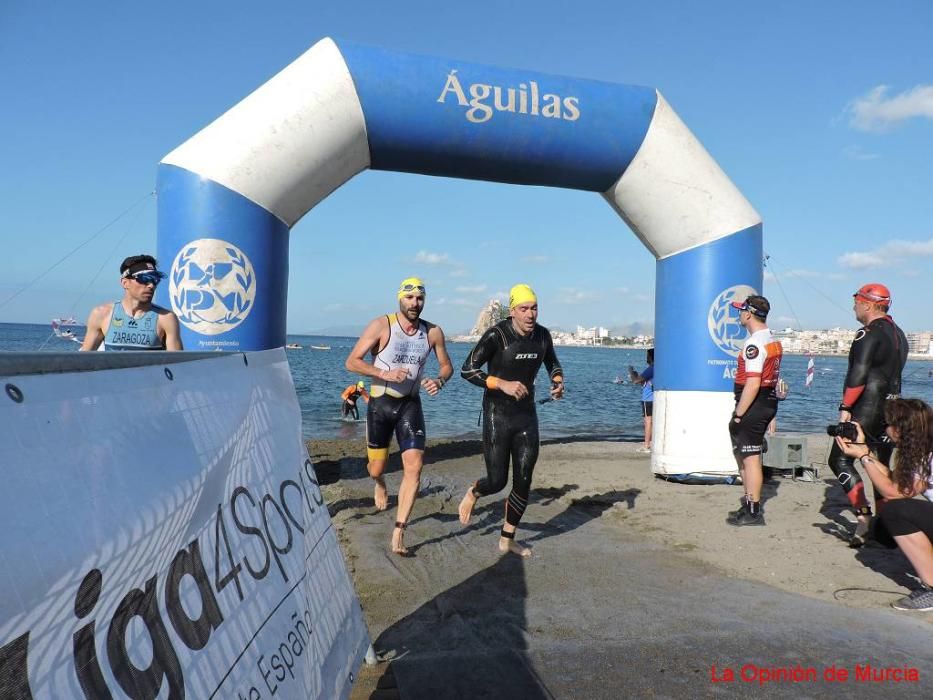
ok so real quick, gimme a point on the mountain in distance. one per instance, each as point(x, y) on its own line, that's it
point(344, 331)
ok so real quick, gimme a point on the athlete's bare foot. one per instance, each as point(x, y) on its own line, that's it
point(506, 545)
point(397, 546)
point(381, 494)
point(466, 507)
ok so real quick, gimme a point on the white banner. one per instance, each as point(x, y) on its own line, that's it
point(164, 536)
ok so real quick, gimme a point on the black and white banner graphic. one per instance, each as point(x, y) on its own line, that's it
point(164, 536)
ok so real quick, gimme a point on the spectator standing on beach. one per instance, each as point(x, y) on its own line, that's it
point(903, 519)
point(399, 345)
point(646, 379)
point(134, 322)
point(350, 396)
point(755, 404)
point(876, 359)
point(512, 351)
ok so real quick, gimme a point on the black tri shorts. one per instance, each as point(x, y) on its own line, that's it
point(647, 408)
point(404, 417)
point(748, 437)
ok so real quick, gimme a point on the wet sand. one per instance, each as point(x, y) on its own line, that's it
point(633, 575)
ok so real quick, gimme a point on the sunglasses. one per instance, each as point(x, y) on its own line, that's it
point(413, 288)
point(147, 278)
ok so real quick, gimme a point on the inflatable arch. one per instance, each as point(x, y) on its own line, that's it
point(229, 195)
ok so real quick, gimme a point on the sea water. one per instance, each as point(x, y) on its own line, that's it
point(594, 405)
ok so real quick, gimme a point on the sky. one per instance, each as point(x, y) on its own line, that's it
point(820, 113)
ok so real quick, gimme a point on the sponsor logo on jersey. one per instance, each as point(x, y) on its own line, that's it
point(527, 356)
point(751, 352)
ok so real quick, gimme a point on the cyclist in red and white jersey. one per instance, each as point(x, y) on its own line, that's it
point(755, 404)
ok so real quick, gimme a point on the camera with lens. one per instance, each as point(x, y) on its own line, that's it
point(847, 430)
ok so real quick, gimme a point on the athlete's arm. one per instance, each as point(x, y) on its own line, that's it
point(747, 398)
point(172, 330)
point(374, 335)
point(95, 330)
point(484, 350)
point(861, 355)
point(554, 370)
point(436, 337)
point(755, 356)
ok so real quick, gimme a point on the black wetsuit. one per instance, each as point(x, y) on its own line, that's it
point(510, 427)
point(876, 359)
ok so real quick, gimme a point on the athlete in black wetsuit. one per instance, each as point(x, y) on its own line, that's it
point(513, 351)
point(876, 359)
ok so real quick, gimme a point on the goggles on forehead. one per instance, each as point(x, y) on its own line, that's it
point(872, 296)
point(407, 288)
point(148, 277)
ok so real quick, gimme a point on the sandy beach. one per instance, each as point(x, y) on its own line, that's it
point(612, 541)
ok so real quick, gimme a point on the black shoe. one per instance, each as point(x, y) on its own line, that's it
point(736, 513)
point(746, 518)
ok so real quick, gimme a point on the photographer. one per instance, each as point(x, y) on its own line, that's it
point(906, 520)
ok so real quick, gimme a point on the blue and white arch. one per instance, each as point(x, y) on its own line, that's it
point(230, 194)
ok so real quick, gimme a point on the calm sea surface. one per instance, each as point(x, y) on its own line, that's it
point(594, 405)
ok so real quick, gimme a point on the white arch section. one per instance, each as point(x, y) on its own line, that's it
point(229, 195)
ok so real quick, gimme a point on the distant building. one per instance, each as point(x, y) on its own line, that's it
point(921, 343)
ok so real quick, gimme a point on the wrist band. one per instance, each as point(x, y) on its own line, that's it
point(440, 381)
point(865, 456)
point(843, 407)
point(492, 383)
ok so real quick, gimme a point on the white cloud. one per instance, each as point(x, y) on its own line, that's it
point(889, 253)
point(538, 259)
point(800, 273)
point(623, 290)
point(876, 111)
point(458, 272)
point(569, 295)
point(856, 153)
point(478, 289)
point(427, 258)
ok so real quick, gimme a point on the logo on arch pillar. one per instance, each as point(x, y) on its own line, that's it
point(723, 319)
point(212, 286)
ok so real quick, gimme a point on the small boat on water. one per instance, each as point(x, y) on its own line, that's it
point(319, 347)
point(64, 333)
point(293, 346)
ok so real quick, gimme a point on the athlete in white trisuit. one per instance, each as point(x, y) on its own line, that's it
point(399, 345)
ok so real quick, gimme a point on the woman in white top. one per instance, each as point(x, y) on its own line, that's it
point(901, 516)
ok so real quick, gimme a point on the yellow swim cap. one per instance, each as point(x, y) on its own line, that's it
point(411, 285)
point(521, 294)
point(361, 384)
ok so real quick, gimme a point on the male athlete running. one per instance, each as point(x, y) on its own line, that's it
point(876, 358)
point(513, 351)
point(399, 344)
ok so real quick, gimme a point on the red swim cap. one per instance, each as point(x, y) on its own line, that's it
point(874, 293)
